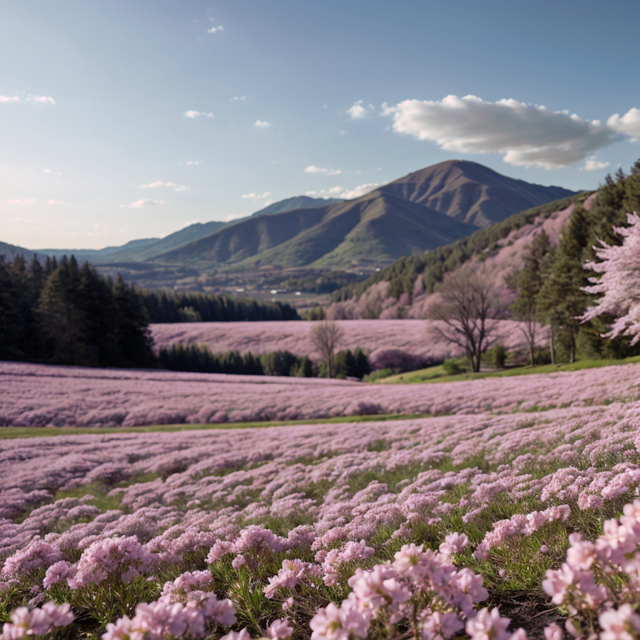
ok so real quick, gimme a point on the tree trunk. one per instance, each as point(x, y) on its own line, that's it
point(552, 346)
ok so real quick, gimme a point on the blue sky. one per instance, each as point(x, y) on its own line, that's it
point(132, 119)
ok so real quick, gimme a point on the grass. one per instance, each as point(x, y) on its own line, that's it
point(35, 432)
point(438, 373)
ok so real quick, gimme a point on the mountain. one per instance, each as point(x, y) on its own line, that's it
point(194, 231)
point(424, 210)
point(10, 251)
point(417, 213)
point(369, 231)
point(297, 202)
point(99, 255)
point(472, 193)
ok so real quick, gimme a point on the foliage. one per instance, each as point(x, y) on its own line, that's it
point(619, 283)
point(469, 301)
point(326, 337)
point(178, 306)
point(433, 265)
point(528, 282)
point(68, 314)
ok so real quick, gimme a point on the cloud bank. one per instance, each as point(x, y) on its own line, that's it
point(329, 172)
point(525, 134)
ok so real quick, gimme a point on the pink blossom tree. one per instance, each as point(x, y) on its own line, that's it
point(619, 282)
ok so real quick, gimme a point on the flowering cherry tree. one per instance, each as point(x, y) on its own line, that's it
point(619, 283)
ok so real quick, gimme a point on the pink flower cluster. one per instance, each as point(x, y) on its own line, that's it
point(183, 610)
point(416, 581)
point(588, 583)
point(38, 621)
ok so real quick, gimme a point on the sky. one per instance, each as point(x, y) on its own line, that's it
point(133, 119)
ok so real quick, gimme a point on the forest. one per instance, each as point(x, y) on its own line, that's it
point(61, 312)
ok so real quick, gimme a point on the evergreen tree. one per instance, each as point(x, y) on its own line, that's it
point(528, 282)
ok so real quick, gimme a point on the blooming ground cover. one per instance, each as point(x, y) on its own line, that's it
point(410, 336)
point(480, 524)
point(40, 396)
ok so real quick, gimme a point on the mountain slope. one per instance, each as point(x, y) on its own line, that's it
point(470, 192)
point(297, 202)
point(372, 230)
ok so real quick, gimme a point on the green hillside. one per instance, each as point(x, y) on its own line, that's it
point(433, 265)
point(370, 231)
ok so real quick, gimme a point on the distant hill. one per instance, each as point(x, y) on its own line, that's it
point(10, 251)
point(470, 192)
point(369, 231)
point(146, 248)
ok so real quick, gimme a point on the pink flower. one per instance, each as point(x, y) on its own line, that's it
point(553, 632)
point(338, 623)
point(441, 626)
point(623, 624)
point(556, 583)
point(237, 635)
point(454, 543)
point(279, 629)
point(488, 625)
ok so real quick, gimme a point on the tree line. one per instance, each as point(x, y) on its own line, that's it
point(177, 306)
point(198, 358)
point(64, 313)
point(61, 312)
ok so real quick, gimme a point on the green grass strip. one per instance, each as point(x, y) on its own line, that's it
point(438, 374)
point(35, 432)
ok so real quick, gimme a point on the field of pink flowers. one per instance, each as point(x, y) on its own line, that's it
point(411, 336)
point(492, 523)
point(50, 396)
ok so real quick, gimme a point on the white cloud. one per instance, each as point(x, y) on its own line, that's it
point(196, 114)
point(192, 162)
point(341, 192)
point(169, 185)
point(628, 124)
point(593, 164)
point(27, 201)
point(330, 172)
point(41, 99)
point(238, 99)
point(47, 170)
point(257, 196)
point(261, 124)
point(359, 191)
point(525, 134)
point(23, 220)
point(55, 202)
point(215, 29)
point(359, 110)
point(143, 203)
point(28, 98)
